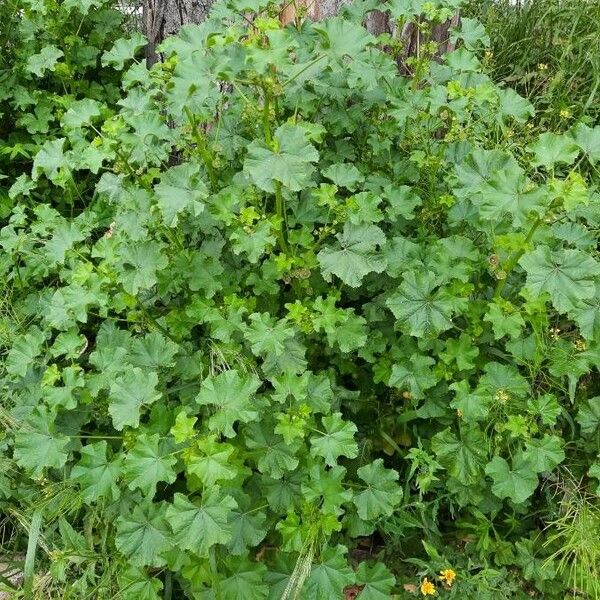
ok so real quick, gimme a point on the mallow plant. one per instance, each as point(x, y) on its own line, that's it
point(315, 327)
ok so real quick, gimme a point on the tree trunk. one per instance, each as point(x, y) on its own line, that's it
point(315, 10)
point(376, 23)
point(412, 38)
point(162, 18)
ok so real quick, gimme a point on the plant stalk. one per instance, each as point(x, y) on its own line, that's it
point(515, 256)
point(202, 148)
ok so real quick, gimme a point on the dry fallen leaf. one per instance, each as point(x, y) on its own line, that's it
point(351, 592)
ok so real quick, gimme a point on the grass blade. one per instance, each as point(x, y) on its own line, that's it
point(32, 542)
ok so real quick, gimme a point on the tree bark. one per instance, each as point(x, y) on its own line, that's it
point(162, 18)
point(376, 23)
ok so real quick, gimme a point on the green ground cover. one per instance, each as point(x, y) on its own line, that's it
point(277, 322)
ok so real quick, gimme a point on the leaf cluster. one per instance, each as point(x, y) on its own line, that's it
point(271, 298)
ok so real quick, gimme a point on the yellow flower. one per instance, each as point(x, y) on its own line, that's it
point(565, 113)
point(448, 576)
point(427, 588)
point(542, 67)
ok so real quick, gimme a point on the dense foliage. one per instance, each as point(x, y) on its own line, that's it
point(279, 322)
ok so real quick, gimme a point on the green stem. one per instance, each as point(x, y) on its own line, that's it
point(280, 210)
point(202, 148)
point(151, 319)
point(212, 560)
point(308, 66)
point(266, 116)
point(168, 593)
point(279, 202)
point(515, 256)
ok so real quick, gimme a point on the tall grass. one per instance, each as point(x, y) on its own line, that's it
point(574, 535)
point(549, 50)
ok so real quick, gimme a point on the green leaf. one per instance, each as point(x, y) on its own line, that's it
point(49, 159)
point(588, 415)
point(275, 457)
point(566, 275)
point(153, 351)
point(462, 351)
point(97, 476)
point(183, 429)
point(34, 451)
point(246, 579)
point(402, 201)
point(504, 322)
point(180, 189)
point(344, 175)
point(350, 333)
point(513, 105)
point(382, 494)
point(364, 208)
point(359, 254)
point(534, 569)
point(551, 149)
point(129, 393)
point(546, 407)
point(211, 463)
point(232, 395)
point(336, 440)
point(248, 528)
point(594, 472)
point(266, 335)
point(144, 535)
point(325, 487)
point(588, 140)
point(44, 60)
point(205, 272)
point(376, 579)
point(81, 112)
point(342, 38)
point(23, 352)
point(422, 307)
point(544, 454)
point(288, 161)
point(329, 576)
point(22, 186)
point(198, 527)
point(471, 405)
point(504, 379)
point(123, 50)
point(63, 239)
point(464, 456)
point(586, 313)
point(414, 375)
point(148, 463)
point(342, 326)
point(508, 191)
point(254, 243)
point(517, 483)
point(135, 584)
point(139, 264)
point(472, 33)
